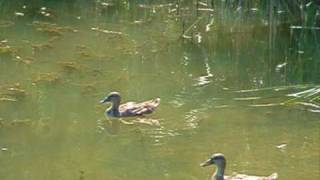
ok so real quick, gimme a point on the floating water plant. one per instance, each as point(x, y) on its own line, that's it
point(16, 91)
point(106, 31)
point(85, 52)
point(6, 49)
point(12, 93)
point(16, 122)
point(6, 24)
point(46, 77)
point(52, 29)
point(42, 46)
point(25, 60)
point(7, 99)
point(71, 66)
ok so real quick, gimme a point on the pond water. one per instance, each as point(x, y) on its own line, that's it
point(229, 93)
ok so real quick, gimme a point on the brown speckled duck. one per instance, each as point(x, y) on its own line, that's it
point(219, 160)
point(129, 108)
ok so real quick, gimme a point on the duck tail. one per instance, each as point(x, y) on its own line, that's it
point(273, 176)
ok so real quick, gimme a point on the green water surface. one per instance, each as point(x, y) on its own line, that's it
point(55, 68)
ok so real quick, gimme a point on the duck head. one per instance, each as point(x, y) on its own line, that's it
point(217, 159)
point(113, 97)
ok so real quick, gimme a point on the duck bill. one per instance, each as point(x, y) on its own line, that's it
point(206, 163)
point(106, 99)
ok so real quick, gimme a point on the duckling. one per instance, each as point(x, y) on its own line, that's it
point(129, 108)
point(220, 161)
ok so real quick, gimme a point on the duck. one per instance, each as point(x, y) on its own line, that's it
point(129, 108)
point(219, 160)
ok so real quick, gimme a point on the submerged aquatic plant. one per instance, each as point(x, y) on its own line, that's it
point(12, 92)
point(46, 77)
point(70, 65)
point(52, 29)
point(6, 49)
point(6, 23)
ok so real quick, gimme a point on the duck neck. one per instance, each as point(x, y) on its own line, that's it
point(115, 105)
point(219, 174)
